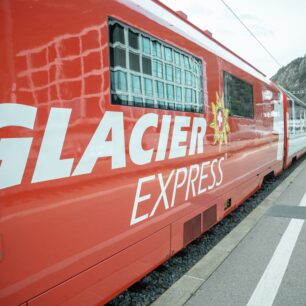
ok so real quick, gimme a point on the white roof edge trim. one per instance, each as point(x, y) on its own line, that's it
point(155, 12)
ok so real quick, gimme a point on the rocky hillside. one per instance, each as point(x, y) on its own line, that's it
point(293, 76)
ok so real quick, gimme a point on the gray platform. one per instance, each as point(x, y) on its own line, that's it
point(261, 262)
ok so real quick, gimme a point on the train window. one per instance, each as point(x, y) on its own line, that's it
point(118, 81)
point(159, 87)
point(178, 93)
point(168, 54)
point(116, 33)
point(238, 96)
point(133, 40)
point(170, 92)
point(148, 87)
point(146, 72)
point(169, 72)
point(146, 65)
point(188, 78)
point(118, 57)
point(135, 84)
point(178, 75)
point(157, 69)
point(157, 51)
point(297, 116)
point(134, 62)
point(177, 58)
point(146, 45)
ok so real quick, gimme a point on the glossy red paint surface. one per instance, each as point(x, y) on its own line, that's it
point(71, 238)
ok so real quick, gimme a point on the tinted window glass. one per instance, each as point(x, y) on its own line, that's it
point(238, 96)
point(116, 33)
point(117, 57)
point(133, 40)
point(146, 65)
point(134, 62)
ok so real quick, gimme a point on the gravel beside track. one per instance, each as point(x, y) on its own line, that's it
point(149, 288)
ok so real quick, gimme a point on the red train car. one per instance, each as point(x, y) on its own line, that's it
point(126, 132)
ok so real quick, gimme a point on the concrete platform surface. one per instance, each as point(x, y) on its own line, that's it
point(261, 262)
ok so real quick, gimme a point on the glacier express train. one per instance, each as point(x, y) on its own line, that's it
point(126, 132)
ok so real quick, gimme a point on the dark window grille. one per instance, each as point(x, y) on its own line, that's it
point(238, 96)
point(134, 61)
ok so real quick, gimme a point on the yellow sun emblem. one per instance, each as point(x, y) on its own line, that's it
point(220, 121)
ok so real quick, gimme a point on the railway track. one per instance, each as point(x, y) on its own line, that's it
point(149, 288)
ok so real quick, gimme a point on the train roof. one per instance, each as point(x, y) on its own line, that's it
point(292, 96)
point(159, 12)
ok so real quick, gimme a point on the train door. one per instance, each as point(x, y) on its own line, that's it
point(278, 125)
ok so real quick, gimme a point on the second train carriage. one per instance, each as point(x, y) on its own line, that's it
point(296, 127)
point(126, 132)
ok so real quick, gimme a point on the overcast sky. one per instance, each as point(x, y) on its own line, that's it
point(279, 24)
